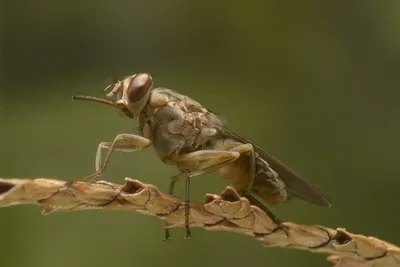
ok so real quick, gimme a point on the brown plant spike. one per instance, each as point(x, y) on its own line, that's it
point(228, 212)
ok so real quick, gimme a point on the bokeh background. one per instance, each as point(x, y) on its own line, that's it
point(314, 83)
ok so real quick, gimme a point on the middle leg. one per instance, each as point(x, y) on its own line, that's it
point(200, 162)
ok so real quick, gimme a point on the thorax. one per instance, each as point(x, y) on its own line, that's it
point(175, 123)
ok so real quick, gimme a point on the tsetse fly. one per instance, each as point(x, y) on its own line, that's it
point(184, 133)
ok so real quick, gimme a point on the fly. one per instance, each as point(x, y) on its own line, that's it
point(185, 134)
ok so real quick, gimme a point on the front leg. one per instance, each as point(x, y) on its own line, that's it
point(125, 147)
point(134, 142)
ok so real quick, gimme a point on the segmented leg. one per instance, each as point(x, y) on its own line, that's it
point(211, 160)
point(248, 149)
point(135, 141)
point(246, 192)
point(187, 207)
point(117, 147)
point(254, 201)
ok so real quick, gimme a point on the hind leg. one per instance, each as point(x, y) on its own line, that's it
point(210, 160)
point(246, 191)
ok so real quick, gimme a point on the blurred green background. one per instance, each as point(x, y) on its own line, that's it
point(314, 83)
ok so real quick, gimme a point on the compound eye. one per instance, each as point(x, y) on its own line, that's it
point(139, 86)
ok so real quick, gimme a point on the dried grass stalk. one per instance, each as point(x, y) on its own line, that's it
point(227, 211)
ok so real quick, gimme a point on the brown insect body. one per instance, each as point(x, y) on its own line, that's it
point(184, 133)
point(177, 124)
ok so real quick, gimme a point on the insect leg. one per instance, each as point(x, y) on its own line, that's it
point(208, 161)
point(213, 160)
point(182, 175)
point(205, 155)
point(187, 207)
point(254, 201)
point(117, 147)
point(173, 180)
point(246, 192)
point(134, 140)
point(243, 149)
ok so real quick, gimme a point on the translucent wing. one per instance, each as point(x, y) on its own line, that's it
point(296, 184)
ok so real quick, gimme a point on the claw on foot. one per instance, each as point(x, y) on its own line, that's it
point(167, 236)
point(284, 230)
point(188, 233)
